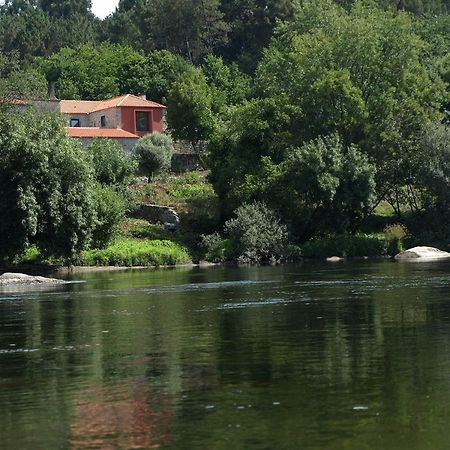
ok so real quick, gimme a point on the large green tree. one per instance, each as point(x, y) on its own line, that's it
point(41, 28)
point(45, 186)
point(251, 27)
point(360, 73)
point(189, 114)
point(191, 28)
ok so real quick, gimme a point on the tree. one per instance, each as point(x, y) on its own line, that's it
point(190, 28)
point(21, 85)
point(112, 194)
point(40, 28)
point(45, 186)
point(96, 72)
point(432, 167)
point(360, 73)
point(112, 165)
point(325, 187)
point(154, 153)
point(163, 68)
point(258, 130)
point(229, 86)
point(252, 23)
point(189, 108)
point(66, 8)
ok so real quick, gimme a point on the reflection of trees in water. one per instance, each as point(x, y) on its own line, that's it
point(121, 416)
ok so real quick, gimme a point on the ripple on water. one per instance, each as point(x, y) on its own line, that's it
point(258, 303)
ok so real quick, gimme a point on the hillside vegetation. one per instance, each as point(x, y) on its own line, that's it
point(314, 122)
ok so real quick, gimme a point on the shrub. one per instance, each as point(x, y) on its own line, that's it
point(154, 153)
point(110, 207)
point(141, 229)
point(394, 235)
point(112, 165)
point(215, 247)
point(346, 245)
point(31, 255)
point(256, 234)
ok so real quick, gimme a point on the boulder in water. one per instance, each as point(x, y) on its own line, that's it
point(12, 279)
point(422, 253)
point(335, 259)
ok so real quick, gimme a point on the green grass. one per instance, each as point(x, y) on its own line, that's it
point(31, 255)
point(141, 229)
point(137, 252)
point(176, 190)
point(192, 197)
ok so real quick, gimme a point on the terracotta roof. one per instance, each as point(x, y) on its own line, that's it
point(90, 106)
point(84, 132)
point(78, 106)
point(127, 100)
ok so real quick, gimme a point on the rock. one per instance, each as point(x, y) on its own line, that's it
point(11, 279)
point(422, 253)
point(157, 214)
point(335, 259)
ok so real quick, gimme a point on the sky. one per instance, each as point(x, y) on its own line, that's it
point(102, 8)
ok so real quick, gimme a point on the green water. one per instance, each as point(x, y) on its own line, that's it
point(316, 356)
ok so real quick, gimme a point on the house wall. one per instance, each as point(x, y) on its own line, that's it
point(127, 144)
point(83, 118)
point(156, 119)
point(113, 118)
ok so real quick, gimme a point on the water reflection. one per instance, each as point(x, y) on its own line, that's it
point(121, 416)
point(347, 356)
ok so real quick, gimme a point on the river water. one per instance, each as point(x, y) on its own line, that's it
point(345, 356)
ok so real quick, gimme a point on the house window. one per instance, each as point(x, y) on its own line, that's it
point(142, 122)
point(74, 122)
point(103, 121)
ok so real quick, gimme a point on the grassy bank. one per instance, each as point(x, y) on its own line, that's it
point(137, 252)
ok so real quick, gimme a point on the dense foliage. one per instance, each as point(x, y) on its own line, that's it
point(154, 153)
point(255, 234)
point(319, 109)
point(45, 186)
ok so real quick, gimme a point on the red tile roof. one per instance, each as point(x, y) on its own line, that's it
point(84, 132)
point(90, 106)
point(77, 106)
point(127, 100)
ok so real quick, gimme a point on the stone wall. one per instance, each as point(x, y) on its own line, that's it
point(184, 162)
point(127, 144)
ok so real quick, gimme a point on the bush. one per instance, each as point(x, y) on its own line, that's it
point(112, 165)
point(142, 229)
point(110, 207)
point(256, 235)
point(154, 153)
point(136, 252)
point(346, 246)
point(215, 248)
point(394, 235)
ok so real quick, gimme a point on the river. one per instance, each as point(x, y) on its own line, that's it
point(348, 355)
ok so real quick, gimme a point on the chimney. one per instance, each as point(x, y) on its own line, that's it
point(143, 96)
point(52, 90)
